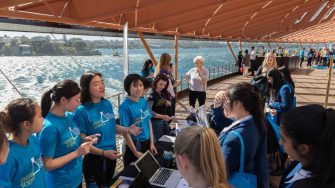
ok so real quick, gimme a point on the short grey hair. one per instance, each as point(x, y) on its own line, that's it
point(200, 58)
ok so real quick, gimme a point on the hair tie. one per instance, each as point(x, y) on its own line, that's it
point(52, 94)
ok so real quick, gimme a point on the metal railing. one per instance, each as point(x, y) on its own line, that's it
point(214, 72)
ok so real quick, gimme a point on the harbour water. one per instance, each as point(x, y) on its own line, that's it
point(32, 75)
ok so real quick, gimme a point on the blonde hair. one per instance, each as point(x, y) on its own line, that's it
point(202, 148)
point(266, 66)
point(199, 58)
point(164, 63)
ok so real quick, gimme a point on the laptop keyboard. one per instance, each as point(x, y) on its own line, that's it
point(162, 177)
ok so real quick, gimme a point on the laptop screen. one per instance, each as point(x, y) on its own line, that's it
point(148, 165)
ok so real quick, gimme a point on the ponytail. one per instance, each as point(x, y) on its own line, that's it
point(65, 88)
point(250, 98)
point(46, 102)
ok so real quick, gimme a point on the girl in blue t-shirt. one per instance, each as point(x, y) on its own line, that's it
point(24, 166)
point(4, 149)
point(135, 110)
point(96, 116)
point(59, 139)
point(148, 70)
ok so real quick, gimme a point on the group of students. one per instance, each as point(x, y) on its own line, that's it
point(47, 143)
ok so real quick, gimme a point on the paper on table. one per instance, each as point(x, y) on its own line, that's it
point(166, 138)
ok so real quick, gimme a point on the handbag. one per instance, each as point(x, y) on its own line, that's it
point(241, 179)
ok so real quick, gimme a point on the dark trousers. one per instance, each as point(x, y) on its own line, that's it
point(98, 169)
point(194, 95)
point(252, 66)
point(301, 61)
point(129, 157)
point(160, 128)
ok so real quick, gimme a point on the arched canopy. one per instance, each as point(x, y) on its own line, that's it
point(246, 20)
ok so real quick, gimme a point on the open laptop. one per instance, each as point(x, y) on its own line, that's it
point(157, 175)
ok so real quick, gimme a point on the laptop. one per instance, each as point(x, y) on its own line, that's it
point(158, 176)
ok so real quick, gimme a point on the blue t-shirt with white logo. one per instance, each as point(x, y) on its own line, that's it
point(131, 112)
point(24, 166)
point(61, 136)
point(93, 118)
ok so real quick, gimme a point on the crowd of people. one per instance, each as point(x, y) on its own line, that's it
point(72, 135)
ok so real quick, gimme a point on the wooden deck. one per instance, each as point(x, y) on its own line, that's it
point(311, 85)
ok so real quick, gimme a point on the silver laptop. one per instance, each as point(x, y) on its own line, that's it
point(158, 176)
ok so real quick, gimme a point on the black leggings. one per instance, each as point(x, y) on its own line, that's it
point(98, 169)
point(194, 95)
point(129, 156)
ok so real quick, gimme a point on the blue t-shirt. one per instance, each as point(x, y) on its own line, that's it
point(24, 166)
point(131, 112)
point(93, 118)
point(60, 136)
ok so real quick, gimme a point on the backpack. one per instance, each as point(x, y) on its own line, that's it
point(241, 179)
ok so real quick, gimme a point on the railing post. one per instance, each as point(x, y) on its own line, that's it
point(118, 100)
point(181, 85)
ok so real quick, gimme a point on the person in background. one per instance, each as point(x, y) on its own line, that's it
point(309, 139)
point(242, 102)
point(24, 167)
point(281, 93)
point(136, 110)
point(4, 148)
point(199, 158)
point(246, 63)
point(301, 56)
point(148, 70)
point(160, 101)
point(252, 61)
point(96, 117)
point(197, 78)
point(164, 64)
point(240, 61)
point(310, 56)
point(60, 139)
point(268, 63)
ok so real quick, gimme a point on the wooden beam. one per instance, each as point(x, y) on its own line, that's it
point(329, 80)
point(240, 44)
point(176, 45)
point(232, 52)
point(147, 48)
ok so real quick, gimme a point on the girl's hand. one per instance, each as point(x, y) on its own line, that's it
point(111, 154)
point(134, 130)
point(138, 154)
point(92, 138)
point(153, 149)
point(84, 148)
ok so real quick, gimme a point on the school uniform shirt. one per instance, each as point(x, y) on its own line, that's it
point(255, 161)
point(24, 166)
point(93, 118)
point(131, 112)
point(61, 136)
point(195, 79)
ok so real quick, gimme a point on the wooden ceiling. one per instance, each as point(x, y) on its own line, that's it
point(246, 20)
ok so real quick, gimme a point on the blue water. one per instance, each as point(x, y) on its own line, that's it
point(34, 75)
